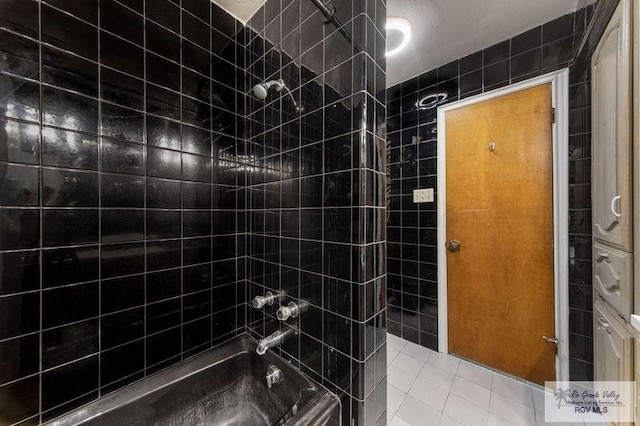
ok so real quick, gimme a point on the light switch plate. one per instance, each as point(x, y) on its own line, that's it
point(423, 195)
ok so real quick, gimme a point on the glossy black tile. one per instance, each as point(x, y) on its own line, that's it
point(68, 33)
point(20, 16)
point(163, 285)
point(163, 315)
point(163, 255)
point(69, 266)
point(121, 327)
point(526, 64)
point(197, 196)
point(196, 223)
point(19, 272)
point(163, 102)
point(197, 250)
point(164, 12)
point(87, 11)
point(195, 30)
point(121, 89)
point(63, 344)
point(195, 58)
point(19, 229)
point(66, 148)
point(26, 394)
point(526, 41)
point(163, 224)
point(121, 21)
point(163, 133)
point(69, 227)
point(69, 71)
point(196, 168)
point(65, 188)
point(64, 305)
point(121, 225)
point(19, 185)
point(496, 74)
point(121, 362)
point(163, 194)
point(164, 43)
point(69, 111)
point(19, 358)
point(121, 259)
point(121, 157)
point(19, 99)
point(121, 55)
point(163, 346)
point(20, 55)
point(122, 123)
point(81, 377)
point(122, 190)
point(164, 163)
point(121, 293)
point(21, 142)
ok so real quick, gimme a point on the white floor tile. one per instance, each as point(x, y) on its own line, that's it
point(448, 421)
point(392, 353)
point(496, 420)
point(444, 362)
point(397, 421)
point(394, 399)
point(471, 392)
point(513, 389)
point(408, 363)
point(540, 421)
point(465, 412)
point(430, 394)
point(400, 378)
point(434, 375)
point(512, 410)
point(538, 399)
point(417, 413)
point(395, 341)
point(417, 351)
point(476, 374)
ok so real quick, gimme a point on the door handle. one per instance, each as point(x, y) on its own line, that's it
point(613, 206)
point(453, 246)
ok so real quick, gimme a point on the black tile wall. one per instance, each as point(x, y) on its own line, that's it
point(121, 142)
point(315, 193)
point(412, 228)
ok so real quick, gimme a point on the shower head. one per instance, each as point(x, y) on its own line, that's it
point(261, 90)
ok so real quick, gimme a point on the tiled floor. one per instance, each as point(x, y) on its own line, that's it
point(430, 388)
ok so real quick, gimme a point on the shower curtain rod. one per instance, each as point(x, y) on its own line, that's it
point(330, 18)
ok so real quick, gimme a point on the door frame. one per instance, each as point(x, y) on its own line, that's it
point(560, 139)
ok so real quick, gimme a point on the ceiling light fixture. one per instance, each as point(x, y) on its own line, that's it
point(402, 25)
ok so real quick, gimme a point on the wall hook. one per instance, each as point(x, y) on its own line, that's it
point(492, 146)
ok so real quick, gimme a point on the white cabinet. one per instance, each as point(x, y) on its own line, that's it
point(611, 132)
point(613, 277)
point(613, 355)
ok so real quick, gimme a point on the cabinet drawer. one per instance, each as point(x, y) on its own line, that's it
point(613, 277)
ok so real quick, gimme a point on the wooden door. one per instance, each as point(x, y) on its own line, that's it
point(611, 136)
point(500, 208)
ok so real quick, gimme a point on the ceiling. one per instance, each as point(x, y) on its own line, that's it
point(243, 10)
point(445, 30)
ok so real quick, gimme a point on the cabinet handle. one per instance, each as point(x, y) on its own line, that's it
point(602, 323)
point(613, 206)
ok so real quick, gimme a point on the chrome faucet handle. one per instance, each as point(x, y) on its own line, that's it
point(292, 310)
point(268, 299)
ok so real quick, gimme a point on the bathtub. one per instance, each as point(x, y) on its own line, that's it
point(225, 385)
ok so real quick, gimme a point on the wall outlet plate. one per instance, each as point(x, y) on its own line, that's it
point(423, 195)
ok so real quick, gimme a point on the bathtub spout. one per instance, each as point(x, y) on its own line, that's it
point(274, 339)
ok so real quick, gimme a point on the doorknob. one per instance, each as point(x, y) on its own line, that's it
point(453, 246)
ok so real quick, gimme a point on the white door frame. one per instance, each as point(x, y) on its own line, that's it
point(560, 101)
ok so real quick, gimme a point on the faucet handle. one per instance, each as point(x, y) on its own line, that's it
point(268, 299)
point(292, 310)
